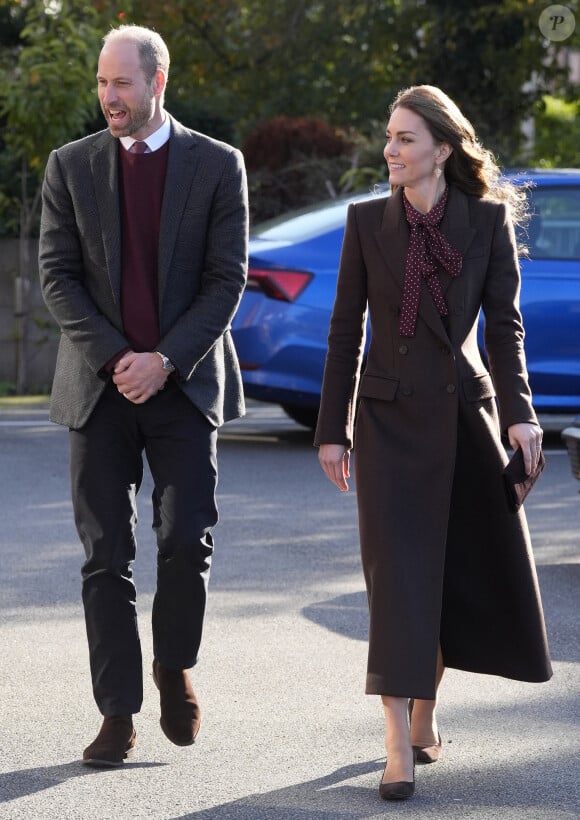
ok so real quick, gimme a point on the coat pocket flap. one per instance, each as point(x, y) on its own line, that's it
point(478, 388)
point(377, 387)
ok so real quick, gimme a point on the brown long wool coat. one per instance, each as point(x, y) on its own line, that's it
point(444, 559)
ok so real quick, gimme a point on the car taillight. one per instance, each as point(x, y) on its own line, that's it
point(285, 285)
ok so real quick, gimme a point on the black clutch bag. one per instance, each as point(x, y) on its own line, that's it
point(517, 482)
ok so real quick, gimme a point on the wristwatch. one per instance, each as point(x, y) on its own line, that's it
point(167, 364)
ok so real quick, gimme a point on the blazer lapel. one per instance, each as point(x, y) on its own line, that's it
point(104, 164)
point(182, 165)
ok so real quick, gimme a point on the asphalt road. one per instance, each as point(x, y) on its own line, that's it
point(287, 733)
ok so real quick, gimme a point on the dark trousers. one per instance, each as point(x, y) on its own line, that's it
point(106, 473)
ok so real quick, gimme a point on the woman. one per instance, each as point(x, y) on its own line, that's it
point(448, 567)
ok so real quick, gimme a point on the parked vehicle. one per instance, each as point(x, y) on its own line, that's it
point(281, 327)
point(571, 436)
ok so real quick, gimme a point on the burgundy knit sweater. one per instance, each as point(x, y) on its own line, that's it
point(141, 183)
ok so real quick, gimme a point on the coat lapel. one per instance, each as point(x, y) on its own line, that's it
point(104, 164)
point(182, 165)
point(456, 227)
point(393, 237)
point(393, 240)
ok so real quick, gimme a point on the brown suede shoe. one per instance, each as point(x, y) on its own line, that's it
point(180, 712)
point(114, 743)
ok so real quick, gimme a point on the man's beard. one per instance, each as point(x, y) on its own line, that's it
point(136, 119)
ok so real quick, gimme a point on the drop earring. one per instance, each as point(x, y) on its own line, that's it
point(437, 171)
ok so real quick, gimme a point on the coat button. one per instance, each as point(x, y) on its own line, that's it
point(450, 388)
point(403, 350)
point(406, 390)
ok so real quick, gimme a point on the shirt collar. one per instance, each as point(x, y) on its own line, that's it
point(155, 140)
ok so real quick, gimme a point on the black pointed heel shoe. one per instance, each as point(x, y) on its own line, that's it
point(400, 789)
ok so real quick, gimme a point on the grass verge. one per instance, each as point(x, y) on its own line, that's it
point(24, 402)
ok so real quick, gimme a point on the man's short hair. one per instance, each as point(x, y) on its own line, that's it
point(153, 53)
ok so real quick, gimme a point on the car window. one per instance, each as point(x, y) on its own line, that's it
point(303, 225)
point(554, 228)
point(312, 221)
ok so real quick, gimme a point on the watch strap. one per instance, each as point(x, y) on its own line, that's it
point(167, 363)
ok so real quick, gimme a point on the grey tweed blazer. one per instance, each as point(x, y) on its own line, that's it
point(202, 269)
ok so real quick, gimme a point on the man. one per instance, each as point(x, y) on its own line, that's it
point(143, 260)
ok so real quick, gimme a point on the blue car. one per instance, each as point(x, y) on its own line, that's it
point(281, 327)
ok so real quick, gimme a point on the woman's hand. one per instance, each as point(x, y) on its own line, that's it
point(528, 437)
point(335, 460)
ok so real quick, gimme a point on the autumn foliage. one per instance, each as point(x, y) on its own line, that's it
point(293, 161)
point(282, 140)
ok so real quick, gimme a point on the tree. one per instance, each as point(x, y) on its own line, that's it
point(239, 63)
point(258, 59)
point(46, 98)
point(344, 60)
point(557, 134)
point(12, 20)
point(491, 58)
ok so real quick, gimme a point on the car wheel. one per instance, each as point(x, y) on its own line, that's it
point(307, 416)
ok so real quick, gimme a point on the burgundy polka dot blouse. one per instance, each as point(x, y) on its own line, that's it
point(427, 248)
